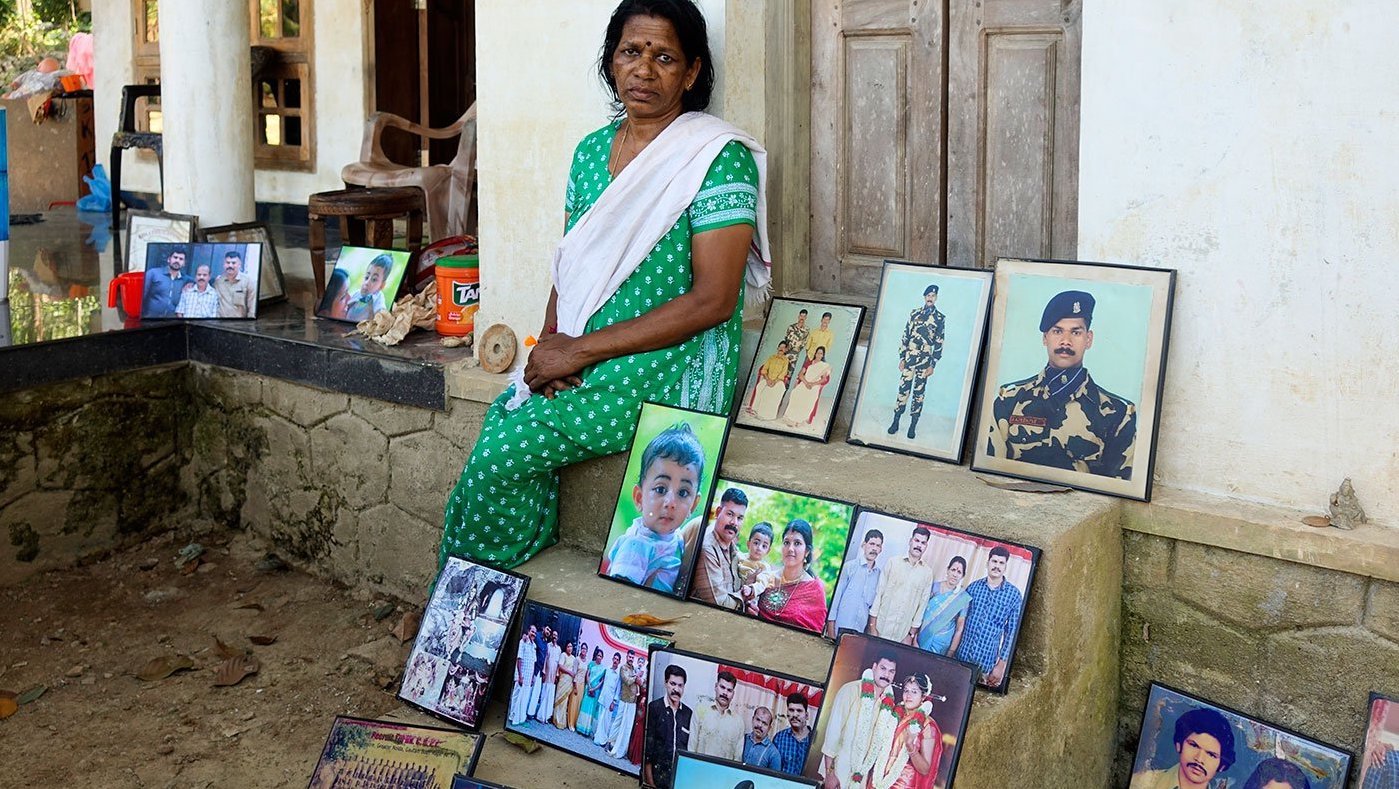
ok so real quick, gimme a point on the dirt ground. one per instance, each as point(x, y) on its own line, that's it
point(84, 633)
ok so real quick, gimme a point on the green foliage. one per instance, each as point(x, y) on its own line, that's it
point(24, 40)
point(830, 524)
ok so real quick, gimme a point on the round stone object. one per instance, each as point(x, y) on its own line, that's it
point(498, 346)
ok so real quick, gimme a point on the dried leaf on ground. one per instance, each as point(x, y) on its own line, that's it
point(523, 743)
point(383, 610)
point(1317, 521)
point(644, 619)
point(263, 641)
point(235, 669)
point(1024, 487)
point(407, 626)
point(252, 606)
point(225, 651)
point(31, 695)
point(162, 667)
point(8, 707)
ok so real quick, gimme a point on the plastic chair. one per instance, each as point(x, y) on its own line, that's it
point(446, 187)
point(127, 137)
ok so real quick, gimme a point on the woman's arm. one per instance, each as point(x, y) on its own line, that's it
point(718, 261)
point(922, 758)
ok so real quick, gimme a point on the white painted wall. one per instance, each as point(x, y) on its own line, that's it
point(536, 99)
point(1252, 147)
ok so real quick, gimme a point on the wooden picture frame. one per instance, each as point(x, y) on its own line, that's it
point(153, 227)
point(272, 286)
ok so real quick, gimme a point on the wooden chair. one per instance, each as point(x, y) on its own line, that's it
point(128, 137)
point(447, 187)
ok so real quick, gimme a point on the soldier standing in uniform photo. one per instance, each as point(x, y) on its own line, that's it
point(920, 348)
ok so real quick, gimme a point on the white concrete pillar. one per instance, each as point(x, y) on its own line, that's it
point(206, 101)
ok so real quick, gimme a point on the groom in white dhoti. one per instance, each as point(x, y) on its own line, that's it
point(544, 710)
point(849, 749)
point(607, 702)
point(525, 659)
point(631, 679)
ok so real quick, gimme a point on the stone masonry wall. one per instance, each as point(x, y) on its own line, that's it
point(87, 464)
point(1295, 645)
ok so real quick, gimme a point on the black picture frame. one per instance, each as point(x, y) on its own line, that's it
point(707, 525)
point(1155, 355)
point(645, 631)
point(846, 637)
point(472, 782)
point(273, 282)
point(1370, 712)
point(856, 529)
point(1343, 773)
point(471, 761)
point(792, 780)
point(844, 377)
point(711, 471)
point(509, 627)
point(135, 217)
point(651, 663)
point(971, 375)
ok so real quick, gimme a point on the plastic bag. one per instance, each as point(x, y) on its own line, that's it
point(101, 197)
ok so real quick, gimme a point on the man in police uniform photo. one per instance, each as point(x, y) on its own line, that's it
point(1060, 417)
point(920, 348)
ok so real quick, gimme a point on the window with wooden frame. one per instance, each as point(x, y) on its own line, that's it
point(284, 133)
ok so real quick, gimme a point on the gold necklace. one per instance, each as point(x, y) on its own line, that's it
point(617, 154)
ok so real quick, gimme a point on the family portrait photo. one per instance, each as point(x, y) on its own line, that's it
point(896, 717)
point(1379, 761)
point(697, 771)
point(144, 228)
point(458, 648)
point(726, 710)
point(1189, 743)
point(370, 754)
point(578, 684)
point(802, 361)
point(940, 589)
point(1072, 386)
point(915, 393)
point(771, 554)
point(201, 281)
point(670, 474)
point(272, 284)
point(364, 282)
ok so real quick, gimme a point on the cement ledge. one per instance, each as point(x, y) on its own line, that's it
point(467, 381)
point(1371, 550)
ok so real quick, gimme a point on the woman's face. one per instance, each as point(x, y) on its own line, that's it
point(650, 68)
point(913, 693)
point(820, 355)
point(954, 573)
point(794, 550)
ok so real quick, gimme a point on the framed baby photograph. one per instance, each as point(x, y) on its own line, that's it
point(459, 646)
point(154, 227)
point(1379, 759)
point(802, 361)
point(915, 393)
point(728, 711)
point(670, 474)
point(362, 752)
point(902, 701)
point(364, 282)
point(697, 771)
point(771, 554)
point(272, 287)
point(578, 684)
point(201, 281)
point(1188, 741)
point(968, 592)
point(1071, 389)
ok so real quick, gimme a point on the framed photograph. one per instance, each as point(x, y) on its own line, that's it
point(365, 281)
point(201, 281)
point(697, 771)
point(670, 474)
point(1379, 761)
point(969, 591)
point(1072, 383)
point(771, 554)
point(579, 684)
point(726, 710)
point(465, 782)
point(458, 648)
point(154, 227)
point(1188, 741)
point(800, 368)
point(362, 752)
point(915, 393)
point(273, 286)
point(888, 699)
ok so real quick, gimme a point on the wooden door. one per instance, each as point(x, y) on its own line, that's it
point(1013, 106)
point(876, 131)
point(424, 49)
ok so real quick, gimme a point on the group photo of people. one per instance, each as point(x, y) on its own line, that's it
point(1189, 743)
point(771, 554)
point(728, 711)
point(372, 754)
point(895, 719)
point(200, 281)
point(578, 684)
point(940, 589)
point(802, 360)
point(465, 625)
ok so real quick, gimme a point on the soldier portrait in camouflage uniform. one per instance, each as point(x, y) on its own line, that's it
point(919, 351)
point(1060, 417)
point(796, 341)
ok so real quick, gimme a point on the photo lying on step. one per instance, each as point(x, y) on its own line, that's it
point(360, 754)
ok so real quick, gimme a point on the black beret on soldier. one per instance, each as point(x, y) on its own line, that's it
point(1069, 304)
